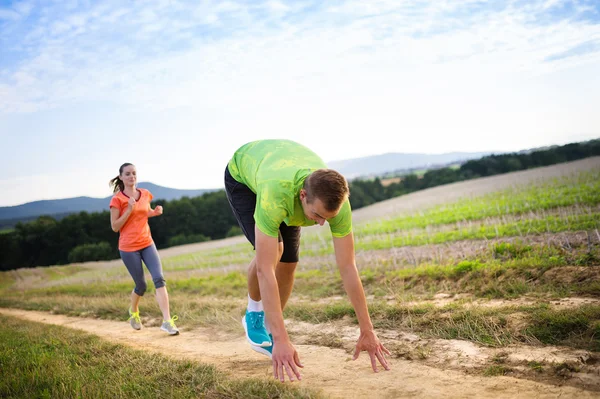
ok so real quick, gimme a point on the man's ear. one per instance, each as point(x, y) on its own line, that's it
point(302, 194)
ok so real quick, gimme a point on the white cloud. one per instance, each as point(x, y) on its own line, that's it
point(8, 14)
point(23, 8)
point(503, 41)
point(244, 70)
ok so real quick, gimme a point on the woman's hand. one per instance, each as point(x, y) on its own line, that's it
point(131, 203)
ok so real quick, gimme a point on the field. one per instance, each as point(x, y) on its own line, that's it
point(481, 288)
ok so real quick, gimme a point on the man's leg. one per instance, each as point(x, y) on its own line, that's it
point(243, 203)
point(284, 273)
point(253, 287)
point(286, 268)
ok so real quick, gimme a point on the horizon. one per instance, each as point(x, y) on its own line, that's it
point(341, 160)
point(85, 86)
point(217, 188)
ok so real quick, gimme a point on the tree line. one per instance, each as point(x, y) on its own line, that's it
point(367, 192)
point(86, 236)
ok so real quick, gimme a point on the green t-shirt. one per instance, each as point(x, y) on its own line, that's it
point(275, 171)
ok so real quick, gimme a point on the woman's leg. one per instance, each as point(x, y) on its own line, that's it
point(152, 261)
point(133, 262)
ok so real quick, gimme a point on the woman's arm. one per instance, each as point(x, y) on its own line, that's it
point(116, 221)
point(155, 212)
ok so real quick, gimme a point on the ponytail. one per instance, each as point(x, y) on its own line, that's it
point(116, 183)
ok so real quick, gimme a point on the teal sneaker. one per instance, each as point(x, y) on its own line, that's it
point(254, 325)
point(268, 351)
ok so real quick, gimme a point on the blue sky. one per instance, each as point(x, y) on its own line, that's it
point(176, 86)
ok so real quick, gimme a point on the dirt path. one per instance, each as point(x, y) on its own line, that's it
point(328, 369)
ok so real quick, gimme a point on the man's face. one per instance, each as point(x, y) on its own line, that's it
point(315, 210)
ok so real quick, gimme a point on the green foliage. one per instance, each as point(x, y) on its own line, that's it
point(466, 266)
point(495, 164)
point(91, 252)
point(366, 192)
point(234, 231)
point(47, 241)
point(181, 239)
point(510, 250)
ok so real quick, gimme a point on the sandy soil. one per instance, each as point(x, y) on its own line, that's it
point(325, 368)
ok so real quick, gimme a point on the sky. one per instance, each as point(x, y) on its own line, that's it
point(175, 87)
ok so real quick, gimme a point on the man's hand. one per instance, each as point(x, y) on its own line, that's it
point(369, 342)
point(285, 358)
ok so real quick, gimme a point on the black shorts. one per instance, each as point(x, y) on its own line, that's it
point(243, 203)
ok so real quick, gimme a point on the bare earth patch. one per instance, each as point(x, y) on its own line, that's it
point(549, 364)
point(443, 299)
point(328, 369)
point(573, 274)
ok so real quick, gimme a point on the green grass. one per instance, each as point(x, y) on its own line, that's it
point(7, 279)
point(464, 220)
point(222, 284)
point(208, 287)
point(54, 362)
point(550, 224)
point(576, 325)
point(536, 366)
point(502, 270)
point(506, 270)
point(234, 255)
point(584, 189)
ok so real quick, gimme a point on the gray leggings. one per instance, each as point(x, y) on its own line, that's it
point(133, 262)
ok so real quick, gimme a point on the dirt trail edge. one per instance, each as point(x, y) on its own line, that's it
point(330, 370)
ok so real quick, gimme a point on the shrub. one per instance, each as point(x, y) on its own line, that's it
point(181, 239)
point(91, 252)
point(234, 231)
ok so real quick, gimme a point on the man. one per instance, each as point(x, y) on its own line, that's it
point(274, 187)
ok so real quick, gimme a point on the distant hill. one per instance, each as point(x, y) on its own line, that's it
point(10, 215)
point(165, 193)
point(377, 165)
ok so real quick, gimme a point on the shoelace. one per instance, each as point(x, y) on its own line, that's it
point(172, 321)
point(258, 321)
point(135, 316)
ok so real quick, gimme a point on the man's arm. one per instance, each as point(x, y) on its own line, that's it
point(266, 260)
point(284, 354)
point(344, 256)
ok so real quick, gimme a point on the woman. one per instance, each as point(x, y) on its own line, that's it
point(129, 213)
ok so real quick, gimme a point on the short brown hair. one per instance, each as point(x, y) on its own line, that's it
point(329, 186)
